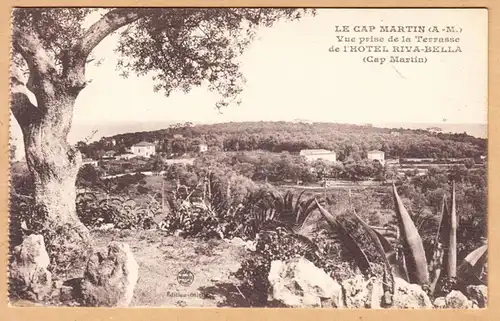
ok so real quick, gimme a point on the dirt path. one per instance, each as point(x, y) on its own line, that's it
point(161, 258)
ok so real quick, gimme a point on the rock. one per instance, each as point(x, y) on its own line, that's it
point(28, 272)
point(440, 303)
point(299, 283)
point(457, 300)
point(110, 277)
point(251, 246)
point(478, 294)
point(362, 293)
point(410, 296)
point(106, 227)
point(237, 241)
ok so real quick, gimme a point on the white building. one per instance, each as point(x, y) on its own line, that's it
point(89, 161)
point(109, 155)
point(377, 155)
point(434, 130)
point(125, 156)
point(315, 154)
point(144, 149)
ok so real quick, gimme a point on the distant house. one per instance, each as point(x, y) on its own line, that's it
point(178, 136)
point(394, 133)
point(144, 149)
point(110, 154)
point(377, 155)
point(89, 161)
point(315, 154)
point(434, 130)
point(392, 161)
point(202, 148)
point(125, 156)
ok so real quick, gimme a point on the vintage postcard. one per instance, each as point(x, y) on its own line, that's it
point(249, 158)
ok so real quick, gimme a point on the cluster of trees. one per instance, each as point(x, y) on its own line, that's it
point(262, 166)
point(284, 166)
point(345, 139)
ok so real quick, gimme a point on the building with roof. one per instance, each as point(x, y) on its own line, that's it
point(90, 161)
point(377, 155)
point(315, 154)
point(109, 155)
point(125, 156)
point(144, 149)
point(434, 130)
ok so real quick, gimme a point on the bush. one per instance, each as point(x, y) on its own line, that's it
point(255, 285)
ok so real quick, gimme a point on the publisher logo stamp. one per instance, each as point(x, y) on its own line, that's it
point(185, 277)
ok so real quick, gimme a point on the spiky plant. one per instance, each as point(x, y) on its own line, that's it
point(347, 239)
point(445, 251)
point(293, 214)
point(414, 261)
point(413, 247)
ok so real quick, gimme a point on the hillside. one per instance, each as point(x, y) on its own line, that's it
point(345, 139)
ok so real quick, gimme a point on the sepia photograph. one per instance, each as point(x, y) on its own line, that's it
point(196, 157)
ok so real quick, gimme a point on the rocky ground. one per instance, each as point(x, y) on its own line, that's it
point(160, 258)
point(152, 269)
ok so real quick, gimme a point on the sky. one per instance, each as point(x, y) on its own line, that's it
point(291, 75)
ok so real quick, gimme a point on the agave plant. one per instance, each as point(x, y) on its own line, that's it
point(473, 264)
point(347, 239)
point(413, 267)
point(413, 247)
point(293, 214)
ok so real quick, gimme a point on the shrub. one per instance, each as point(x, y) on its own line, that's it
point(253, 274)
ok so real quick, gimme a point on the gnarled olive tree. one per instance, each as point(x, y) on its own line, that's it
point(179, 47)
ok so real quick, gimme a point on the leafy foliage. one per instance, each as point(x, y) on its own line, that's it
point(96, 210)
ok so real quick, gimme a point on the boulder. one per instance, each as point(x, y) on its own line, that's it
point(237, 241)
point(110, 277)
point(299, 283)
point(478, 294)
point(362, 293)
point(251, 246)
point(457, 300)
point(409, 296)
point(28, 272)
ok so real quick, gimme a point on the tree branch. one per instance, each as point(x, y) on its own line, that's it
point(30, 47)
point(41, 67)
point(110, 22)
point(75, 58)
point(23, 110)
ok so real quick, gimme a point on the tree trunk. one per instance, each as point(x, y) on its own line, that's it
point(53, 165)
